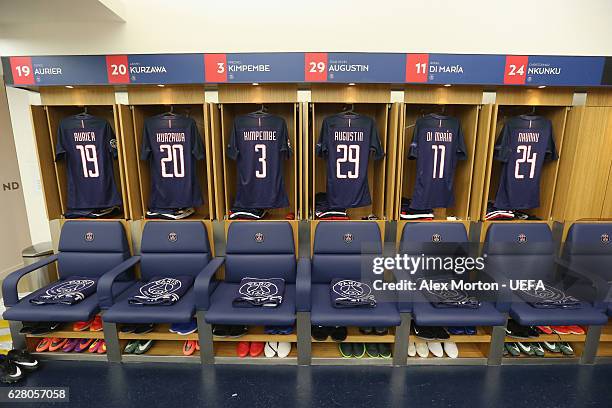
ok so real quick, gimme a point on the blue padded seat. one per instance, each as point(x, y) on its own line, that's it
point(341, 250)
point(168, 248)
point(256, 249)
point(86, 248)
point(526, 251)
point(444, 239)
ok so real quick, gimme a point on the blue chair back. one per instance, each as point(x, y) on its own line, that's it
point(589, 247)
point(342, 248)
point(521, 250)
point(172, 248)
point(91, 248)
point(260, 249)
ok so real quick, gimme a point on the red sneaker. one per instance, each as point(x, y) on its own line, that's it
point(545, 329)
point(561, 329)
point(102, 347)
point(257, 347)
point(575, 329)
point(97, 343)
point(57, 343)
point(96, 324)
point(189, 347)
point(81, 326)
point(243, 348)
point(197, 342)
point(43, 345)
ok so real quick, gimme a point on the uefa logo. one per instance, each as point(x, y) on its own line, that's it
point(89, 236)
point(522, 238)
point(605, 238)
point(172, 237)
point(436, 238)
point(348, 238)
point(259, 237)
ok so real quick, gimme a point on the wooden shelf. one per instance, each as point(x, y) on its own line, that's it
point(481, 336)
point(227, 349)
point(466, 350)
point(550, 338)
point(330, 350)
point(604, 349)
point(66, 332)
point(606, 333)
point(354, 336)
point(256, 333)
point(163, 348)
point(160, 332)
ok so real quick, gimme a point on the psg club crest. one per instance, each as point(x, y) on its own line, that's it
point(352, 290)
point(89, 236)
point(348, 238)
point(259, 237)
point(72, 289)
point(258, 289)
point(172, 237)
point(113, 143)
point(161, 288)
point(522, 238)
point(605, 238)
point(436, 238)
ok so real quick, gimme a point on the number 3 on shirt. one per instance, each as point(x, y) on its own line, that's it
point(526, 157)
point(261, 148)
point(89, 155)
point(174, 155)
point(350, 153)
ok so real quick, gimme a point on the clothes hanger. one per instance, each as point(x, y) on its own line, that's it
point(349, 110)
point(263, 110)
point(83, 114)
point(170, 112)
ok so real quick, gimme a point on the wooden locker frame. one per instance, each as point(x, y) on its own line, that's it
point(146, 101)
point(374, 98)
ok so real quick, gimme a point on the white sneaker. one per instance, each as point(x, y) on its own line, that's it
point(436, 348)
point(422, 349)
point(270, 349)
point(283, 348)
point(451, 350)
point(411, 349)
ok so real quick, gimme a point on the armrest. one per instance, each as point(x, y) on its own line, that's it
point(597, 282)
point(203, 285)
point(105, 283)
point(504, 294)
point(302, 285)
point(9, 286)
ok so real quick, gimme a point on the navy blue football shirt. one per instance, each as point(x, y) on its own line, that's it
point(89, 146)
point(437, 144)
point(172, 144)
point(525, 142)
point(259, 143)
point(346, 141)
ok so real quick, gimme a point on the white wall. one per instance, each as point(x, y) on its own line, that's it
point(564, 27)
point(19, 102)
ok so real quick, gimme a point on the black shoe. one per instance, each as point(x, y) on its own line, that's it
point(381, 331)
point(143, 328)
point(237, 331)
point(9, 372)
point(220, 330)
point(127, 328)
point(338, 333)
point(346, 349)
point(384, 350)
point(372, 350)
point(44, 328)
point(23, 359)
point(28, 327)
point(515, 330)
point(440, 333)
point(366, 330)
point(532, 332)
point(424, 332)
point(320, 333)
point(359, 350)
